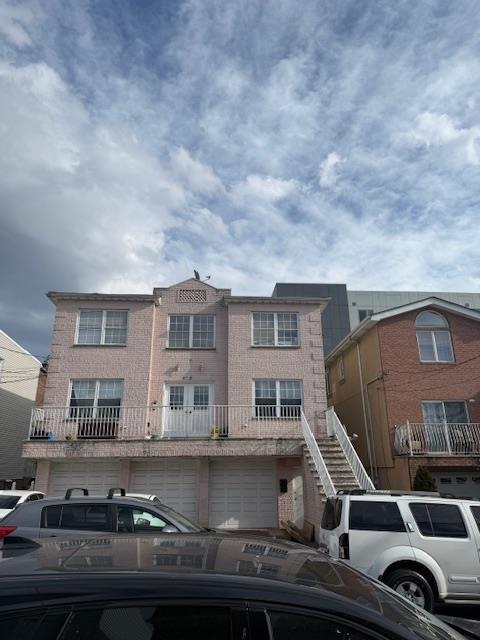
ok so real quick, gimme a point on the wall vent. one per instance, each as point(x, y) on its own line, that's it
point(191, 295)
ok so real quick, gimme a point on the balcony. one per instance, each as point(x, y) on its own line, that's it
point(437, 439)
point(212, 422)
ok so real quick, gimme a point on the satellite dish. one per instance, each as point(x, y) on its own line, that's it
point(196, 274)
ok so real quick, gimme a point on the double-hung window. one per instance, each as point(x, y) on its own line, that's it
point(275, 329)
point(191, 331)
point(433, 337)
point(97, 326)
point(96, 398)
point(278, 398)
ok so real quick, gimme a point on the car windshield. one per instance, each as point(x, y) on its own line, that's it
point(8, 502)
point(181, 519)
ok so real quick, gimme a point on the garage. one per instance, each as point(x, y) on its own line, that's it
point(175, 482)
point(242, 494)
point(458, 483)
point(95, 475)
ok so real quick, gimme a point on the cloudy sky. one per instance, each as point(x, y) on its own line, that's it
point(255, 140)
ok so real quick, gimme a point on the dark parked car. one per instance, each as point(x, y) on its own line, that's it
point(178, 587)
point(68, 516)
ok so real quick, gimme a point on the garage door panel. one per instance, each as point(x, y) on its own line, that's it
point(173, 481)
point(95, 475)
point(242, 494)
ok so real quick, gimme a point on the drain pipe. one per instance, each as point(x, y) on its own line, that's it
point(365, 419)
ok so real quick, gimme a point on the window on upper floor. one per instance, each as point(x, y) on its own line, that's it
point(340, 369)
point(275, 329)
point(436, 412)
point(433, 337)
point(191, 331)
point(278, 398)
point(364, 313)
point(96, 398)
point(97, 326)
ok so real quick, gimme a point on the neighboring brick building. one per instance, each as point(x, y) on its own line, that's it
point(189, 393)
point(407, 382)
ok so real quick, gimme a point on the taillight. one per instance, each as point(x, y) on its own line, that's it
point(344, 547)
point(6, 530)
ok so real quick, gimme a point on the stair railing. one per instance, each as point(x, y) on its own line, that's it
point(318, 461)
point(336, 428)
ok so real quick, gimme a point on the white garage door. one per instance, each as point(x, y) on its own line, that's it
point(242, 494)
point(95, 475)
point(175, 482)
point(458, 483)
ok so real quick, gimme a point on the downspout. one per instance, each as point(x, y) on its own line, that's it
point(365, 420)
point(370, 423)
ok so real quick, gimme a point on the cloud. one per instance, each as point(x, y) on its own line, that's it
point(260, 143)
point(327, 171)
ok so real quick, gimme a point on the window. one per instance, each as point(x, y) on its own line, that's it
point(375, 516)
point(96, 326)
point(438, 520)
point(285, 625)
point(275, 329)
point(87, 517)
point(441, 412)
point(433, 337)
point(278, 398)
point(340, 369)
point(476, 514)
point(332, 514)
point(191, 332)
point(134, 520)
point(364, 313)
point(99, 399)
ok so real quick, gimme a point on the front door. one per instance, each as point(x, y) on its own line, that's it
point(189, 412)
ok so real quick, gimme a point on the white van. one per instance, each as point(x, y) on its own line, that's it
point(424, 546)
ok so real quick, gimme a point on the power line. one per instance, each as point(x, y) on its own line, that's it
point(18, 380)
point(25, 353)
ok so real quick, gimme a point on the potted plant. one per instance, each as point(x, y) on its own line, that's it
point(215, 432)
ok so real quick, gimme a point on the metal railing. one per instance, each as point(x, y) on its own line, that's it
point(156, 422)
point(319, 462)
point(336, 428)
point(437, 438)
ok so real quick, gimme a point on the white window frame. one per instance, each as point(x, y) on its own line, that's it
point(102, 342)
point(340, 369)
point(434, 343)
point(190, 330)
point(443, 402)
point(97, 391)
point(277, 404)
point(275, 331)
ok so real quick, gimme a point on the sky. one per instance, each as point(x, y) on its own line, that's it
point(256, 141)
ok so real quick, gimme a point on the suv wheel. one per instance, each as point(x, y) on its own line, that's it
point(413, 586)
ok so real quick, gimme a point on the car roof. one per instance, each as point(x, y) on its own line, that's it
point(212, 566)
point(19, 492)
point(386, 496)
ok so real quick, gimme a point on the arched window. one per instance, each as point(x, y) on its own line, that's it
point(433, 336)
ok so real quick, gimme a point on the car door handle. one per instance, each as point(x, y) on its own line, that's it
point(52, 535)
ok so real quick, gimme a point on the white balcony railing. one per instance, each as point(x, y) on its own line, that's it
point(438, 438)
point(157, 422)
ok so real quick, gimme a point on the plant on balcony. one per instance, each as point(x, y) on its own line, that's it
point(424, 481)
point(215, 432)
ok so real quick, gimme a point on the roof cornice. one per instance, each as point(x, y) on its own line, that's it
point(271, 300)
point(56, 296)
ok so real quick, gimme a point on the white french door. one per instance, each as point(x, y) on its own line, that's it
point(189, 412)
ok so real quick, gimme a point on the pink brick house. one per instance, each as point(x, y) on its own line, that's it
point(193, 394)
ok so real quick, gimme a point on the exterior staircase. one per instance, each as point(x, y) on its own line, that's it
point(339, 469)
point(332, 459)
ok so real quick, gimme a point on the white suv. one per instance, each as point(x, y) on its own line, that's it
point(424, 546)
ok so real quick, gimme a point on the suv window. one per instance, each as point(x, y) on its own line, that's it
point(375, 516)
point(438, 520)
point(332, 514)
point(136, 519)
point(88, 517)
point(476, 514)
